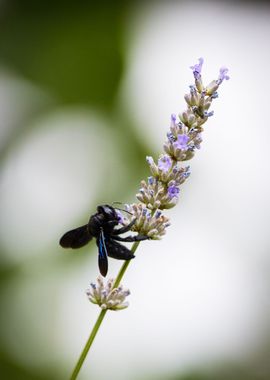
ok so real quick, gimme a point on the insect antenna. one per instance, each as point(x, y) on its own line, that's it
point(121, 209)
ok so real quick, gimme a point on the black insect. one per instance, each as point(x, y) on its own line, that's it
point(101, 226)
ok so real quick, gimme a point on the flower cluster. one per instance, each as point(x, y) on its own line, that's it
point(148, 223)
point(106, 296)
point(162, 189)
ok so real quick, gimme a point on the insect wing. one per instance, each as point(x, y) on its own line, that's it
point(76, 238)
point(118, 251)
point(102, 255)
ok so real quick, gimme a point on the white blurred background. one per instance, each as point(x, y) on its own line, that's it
point(200, 297)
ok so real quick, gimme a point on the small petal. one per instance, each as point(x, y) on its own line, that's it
point(164, 163)
point(171, 137)
point(120, 216)
point(151, 181)
point(208, 114)
point(181, 142)
point(173, 191)
point(197, 69)
point(149, 160)
point(173, 118)
point(223, 74)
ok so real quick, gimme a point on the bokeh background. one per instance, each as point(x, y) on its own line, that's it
point(86, 92)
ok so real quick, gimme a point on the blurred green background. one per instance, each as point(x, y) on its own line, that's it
point(67, 143)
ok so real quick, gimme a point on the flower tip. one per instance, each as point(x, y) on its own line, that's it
point(223, 71)
point(149, 160)
point(197, 67)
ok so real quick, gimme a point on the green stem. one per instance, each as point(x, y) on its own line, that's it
point(124, 266)
point(88, 345)
point(100, 318)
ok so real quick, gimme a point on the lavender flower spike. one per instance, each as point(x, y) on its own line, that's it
point(161, 191)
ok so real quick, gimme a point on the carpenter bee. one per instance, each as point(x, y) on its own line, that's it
point(101, 226)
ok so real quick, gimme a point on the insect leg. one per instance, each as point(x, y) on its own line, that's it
point(124, 229)
point(130, 238)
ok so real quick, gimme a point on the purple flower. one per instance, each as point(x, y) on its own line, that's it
point(173, 191)
point(157, 214)
point(173, 122)
point(181, 142)
point(120, 217)
point(151, 181)
point(208, 114)
point(197, 69)
point(144, 212)
point(223, 74)
point(173, 118)
point(170, 137)
point(197, 141)
point(187, 172)
point(164, 163)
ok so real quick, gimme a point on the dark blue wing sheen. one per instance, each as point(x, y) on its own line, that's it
point(102, 254)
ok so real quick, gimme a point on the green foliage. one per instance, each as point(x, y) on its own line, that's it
point(73, 49)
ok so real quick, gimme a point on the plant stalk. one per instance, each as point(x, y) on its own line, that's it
point(100, 318)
